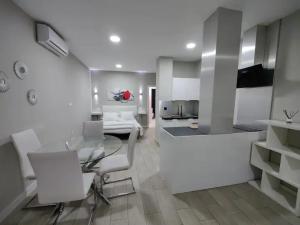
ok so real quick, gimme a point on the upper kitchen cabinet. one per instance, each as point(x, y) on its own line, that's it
point(177, 80)
point(186, 89)
point(186, 83)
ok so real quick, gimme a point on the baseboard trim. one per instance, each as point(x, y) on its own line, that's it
point(30, 190)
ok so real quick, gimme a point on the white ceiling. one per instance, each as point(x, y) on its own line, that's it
point(148, 28)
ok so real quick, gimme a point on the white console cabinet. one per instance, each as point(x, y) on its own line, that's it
point(278, 159)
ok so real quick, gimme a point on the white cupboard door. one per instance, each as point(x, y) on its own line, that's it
point(168, 123)
point(186, 89)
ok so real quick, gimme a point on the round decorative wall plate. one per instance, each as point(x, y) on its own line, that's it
point(4, 84)
point(32, 96)
point(21, 70)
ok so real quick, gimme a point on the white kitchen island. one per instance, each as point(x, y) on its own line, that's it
point(196, 159)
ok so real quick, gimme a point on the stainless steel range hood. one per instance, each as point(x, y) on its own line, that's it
point(253, 47)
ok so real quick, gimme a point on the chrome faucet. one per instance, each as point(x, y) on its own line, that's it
point(179, 110)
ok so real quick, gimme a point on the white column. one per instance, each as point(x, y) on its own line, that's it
point(221, 43)
point(164, 80)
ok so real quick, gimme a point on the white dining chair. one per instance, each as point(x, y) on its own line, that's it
point(92, 130)
point(26, 142)
point(60, 180)
point(116, 163)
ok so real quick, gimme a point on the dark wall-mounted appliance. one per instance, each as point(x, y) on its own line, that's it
point(255, 76)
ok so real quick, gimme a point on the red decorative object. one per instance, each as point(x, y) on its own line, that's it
point(123, 96)
point(126, 95)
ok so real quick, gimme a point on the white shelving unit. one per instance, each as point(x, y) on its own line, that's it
point(278, 159)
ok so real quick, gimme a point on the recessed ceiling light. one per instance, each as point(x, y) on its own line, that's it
point(190, 45)
point(115, 38)
point(118, 66)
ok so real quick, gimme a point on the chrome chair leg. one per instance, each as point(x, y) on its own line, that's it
point(93, 210)
point(58, 211)
point(103, 197)
point(100, 194)
point(123, 193)
point(106, 177)
point(60, 208)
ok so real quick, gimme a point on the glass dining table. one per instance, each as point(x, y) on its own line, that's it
point(87, 147)
point(109, 145)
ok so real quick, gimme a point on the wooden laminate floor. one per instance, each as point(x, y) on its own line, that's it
point(154, 205)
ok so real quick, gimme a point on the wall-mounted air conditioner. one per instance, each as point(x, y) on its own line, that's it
point(48, 38)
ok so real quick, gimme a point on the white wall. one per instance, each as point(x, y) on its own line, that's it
point(58, 82)
point(287, 76)
point(106, 81)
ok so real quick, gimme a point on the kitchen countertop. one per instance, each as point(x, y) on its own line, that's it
point(184, 117)
point(204, 130)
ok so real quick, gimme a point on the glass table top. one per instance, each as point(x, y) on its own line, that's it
point(109, 144)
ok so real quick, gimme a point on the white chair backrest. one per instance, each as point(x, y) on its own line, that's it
point(59, 176)
point(73, 143)
point(25, 142)
point(93, 129)
point(131, 145)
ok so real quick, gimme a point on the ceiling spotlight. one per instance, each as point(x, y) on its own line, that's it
point(190, 45)
point(115, 38)
point(118, 66)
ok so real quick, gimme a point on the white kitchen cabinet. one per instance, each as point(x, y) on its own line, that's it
point(168, 123)
point(186, 123)
point(186, 89)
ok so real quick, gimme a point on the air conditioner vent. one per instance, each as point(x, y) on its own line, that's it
point(48, 38)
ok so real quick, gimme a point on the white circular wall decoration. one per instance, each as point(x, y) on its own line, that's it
point(21, 70)
point(4, 83)
point(32, 96)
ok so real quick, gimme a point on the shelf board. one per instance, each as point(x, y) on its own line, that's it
point(281, 196)
point(283, 124)
point(285, 198)
point(275, 174)
point(290, 151)
point(256, 184)
point(271, 168)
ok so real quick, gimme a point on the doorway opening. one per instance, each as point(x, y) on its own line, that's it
point(151, 106)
